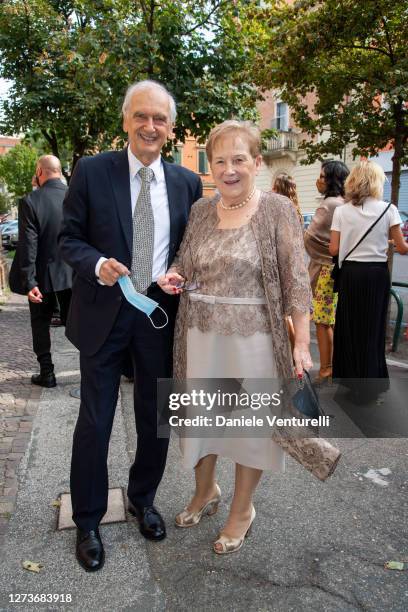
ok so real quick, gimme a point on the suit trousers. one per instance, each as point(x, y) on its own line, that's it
point(41, 315)
point(151, 352)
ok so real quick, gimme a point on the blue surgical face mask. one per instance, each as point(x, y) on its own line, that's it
point(140, 301)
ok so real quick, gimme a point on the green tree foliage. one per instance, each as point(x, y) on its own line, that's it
point(17, 168)
point(5, 203)
point(71, 61)
point(352, 56)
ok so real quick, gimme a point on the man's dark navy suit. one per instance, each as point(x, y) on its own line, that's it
point(102, 325)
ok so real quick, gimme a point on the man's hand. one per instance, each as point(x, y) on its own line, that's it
point(111, 270)
point(35, 296)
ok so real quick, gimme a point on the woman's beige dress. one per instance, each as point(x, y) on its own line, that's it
point(230, 340)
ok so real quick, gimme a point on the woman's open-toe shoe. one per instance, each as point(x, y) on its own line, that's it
point(327, 377)
point(187, 518)
point(225, 545)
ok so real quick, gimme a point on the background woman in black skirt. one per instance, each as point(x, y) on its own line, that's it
point(359, 333)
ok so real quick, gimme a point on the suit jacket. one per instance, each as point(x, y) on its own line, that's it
point(98, 222)
point(38, 262)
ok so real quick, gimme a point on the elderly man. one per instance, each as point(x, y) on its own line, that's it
point(124, 214)
point(38, 270)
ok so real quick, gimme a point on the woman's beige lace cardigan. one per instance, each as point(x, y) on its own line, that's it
point(286, 281)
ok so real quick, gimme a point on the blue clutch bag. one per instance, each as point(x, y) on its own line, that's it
point(306, 399)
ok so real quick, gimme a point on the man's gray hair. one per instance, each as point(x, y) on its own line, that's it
point(149, 84)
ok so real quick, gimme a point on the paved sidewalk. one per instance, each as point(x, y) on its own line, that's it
point(319, 547)
point(17, 362)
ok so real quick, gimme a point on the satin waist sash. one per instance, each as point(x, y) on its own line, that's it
point(215, 299)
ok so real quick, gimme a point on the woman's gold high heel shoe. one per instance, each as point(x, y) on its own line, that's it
point(231, 545)
point(187, 518)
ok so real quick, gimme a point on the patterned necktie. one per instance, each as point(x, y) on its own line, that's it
point(143, 235)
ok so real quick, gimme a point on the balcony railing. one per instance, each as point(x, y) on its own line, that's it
point(285, 142)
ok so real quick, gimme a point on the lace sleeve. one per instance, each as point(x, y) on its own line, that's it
point(178, 263)
point(293, 274)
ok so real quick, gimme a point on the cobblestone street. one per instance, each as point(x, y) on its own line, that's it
point(16, 409)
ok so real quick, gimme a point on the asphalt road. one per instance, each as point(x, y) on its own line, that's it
point(315, 546)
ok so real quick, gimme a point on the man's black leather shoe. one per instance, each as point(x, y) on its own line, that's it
point(151, 524)
point(44, 380)
point(89, 550)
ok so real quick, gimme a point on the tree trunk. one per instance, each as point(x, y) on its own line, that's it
point(395, 187)
point(75, 158)
point(79, 150)
point(396, 174)
point(53, 142)
point(398, 152)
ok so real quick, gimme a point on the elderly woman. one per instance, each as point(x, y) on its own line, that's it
point(236, 249)
point(364, 287)
point(330, 185)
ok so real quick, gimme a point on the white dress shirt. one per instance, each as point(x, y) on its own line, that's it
point(161, 213)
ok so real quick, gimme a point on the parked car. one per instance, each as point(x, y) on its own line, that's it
point(404, 224)
point(307, 219)
point(9, 236)
point(6, 225)
point(14, 239)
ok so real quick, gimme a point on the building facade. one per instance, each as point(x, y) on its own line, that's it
point(384, 159)
point(191, 154)
point(283, 153)
point(7, 143)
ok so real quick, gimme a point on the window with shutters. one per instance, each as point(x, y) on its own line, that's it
point(202, 162)
point(281, 121)
point(177, 154)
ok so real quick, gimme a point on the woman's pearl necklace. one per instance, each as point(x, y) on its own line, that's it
point(240, 205)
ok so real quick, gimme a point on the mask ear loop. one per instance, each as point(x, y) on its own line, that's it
point(165, 314)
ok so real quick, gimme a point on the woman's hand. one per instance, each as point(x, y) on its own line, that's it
point(301, 354)
point(302, 358)
point(171, 283)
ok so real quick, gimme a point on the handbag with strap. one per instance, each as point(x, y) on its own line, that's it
point(335, 273)
point(315, 454)
point(306, 399)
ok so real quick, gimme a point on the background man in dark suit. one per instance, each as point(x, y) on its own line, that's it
point(38, 270)
point(125, 213)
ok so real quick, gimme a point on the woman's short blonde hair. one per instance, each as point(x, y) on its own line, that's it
point(365, 180)
point(245, 129)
